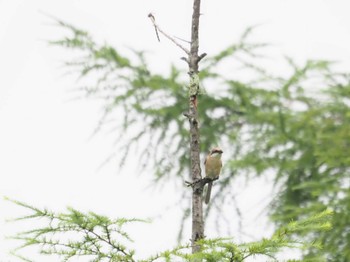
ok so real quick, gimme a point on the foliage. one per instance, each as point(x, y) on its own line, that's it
point(225, 250)
point(293, 126)
point(98, 238)
point(77, 234)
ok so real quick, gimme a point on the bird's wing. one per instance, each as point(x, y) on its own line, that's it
point(205, 161)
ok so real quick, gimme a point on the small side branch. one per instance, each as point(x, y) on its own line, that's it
point(172, 39)
point(202, 182)
point(201, 57)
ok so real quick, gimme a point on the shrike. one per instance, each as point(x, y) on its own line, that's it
point(213, 166)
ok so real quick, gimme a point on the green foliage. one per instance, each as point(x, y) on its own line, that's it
point(129, 89)
point(98, 238)
point(294, 126)
point(76, 234)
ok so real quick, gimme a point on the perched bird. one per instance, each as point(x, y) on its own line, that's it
point(213, 166)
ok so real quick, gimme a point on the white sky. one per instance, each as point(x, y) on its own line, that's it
point(47, 157)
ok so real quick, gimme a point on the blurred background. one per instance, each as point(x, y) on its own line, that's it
point(49, 153)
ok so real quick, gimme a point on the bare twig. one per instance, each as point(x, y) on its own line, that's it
point(201, 56)
point(151, 16)
point(188, 42)
point(172, 39)
point(185, 59)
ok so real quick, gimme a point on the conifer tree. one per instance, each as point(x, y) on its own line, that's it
point(295, 127)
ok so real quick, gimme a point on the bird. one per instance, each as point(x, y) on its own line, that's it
point(213, 166)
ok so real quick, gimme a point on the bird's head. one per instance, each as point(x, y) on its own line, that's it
point(216, 151)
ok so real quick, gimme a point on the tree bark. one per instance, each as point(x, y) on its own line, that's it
point(197, 182)
point(197, 204)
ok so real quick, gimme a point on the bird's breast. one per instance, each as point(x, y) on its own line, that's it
point(213, 167)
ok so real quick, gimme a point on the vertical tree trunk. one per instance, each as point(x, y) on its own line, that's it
point(197, 204)
point(192, 115)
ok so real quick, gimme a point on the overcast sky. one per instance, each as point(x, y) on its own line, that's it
point(47, 155)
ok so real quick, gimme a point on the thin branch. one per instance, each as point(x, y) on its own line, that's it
point(172, 39)
point(201, 56)
point(203, 181)
point(188, 42)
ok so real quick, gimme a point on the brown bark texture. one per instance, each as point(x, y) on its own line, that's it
point(197, 204)
point(197, 182)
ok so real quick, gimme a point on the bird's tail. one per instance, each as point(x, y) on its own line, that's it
point(207, 197)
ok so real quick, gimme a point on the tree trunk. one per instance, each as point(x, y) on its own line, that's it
point(197, 204)
point(192, 115)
